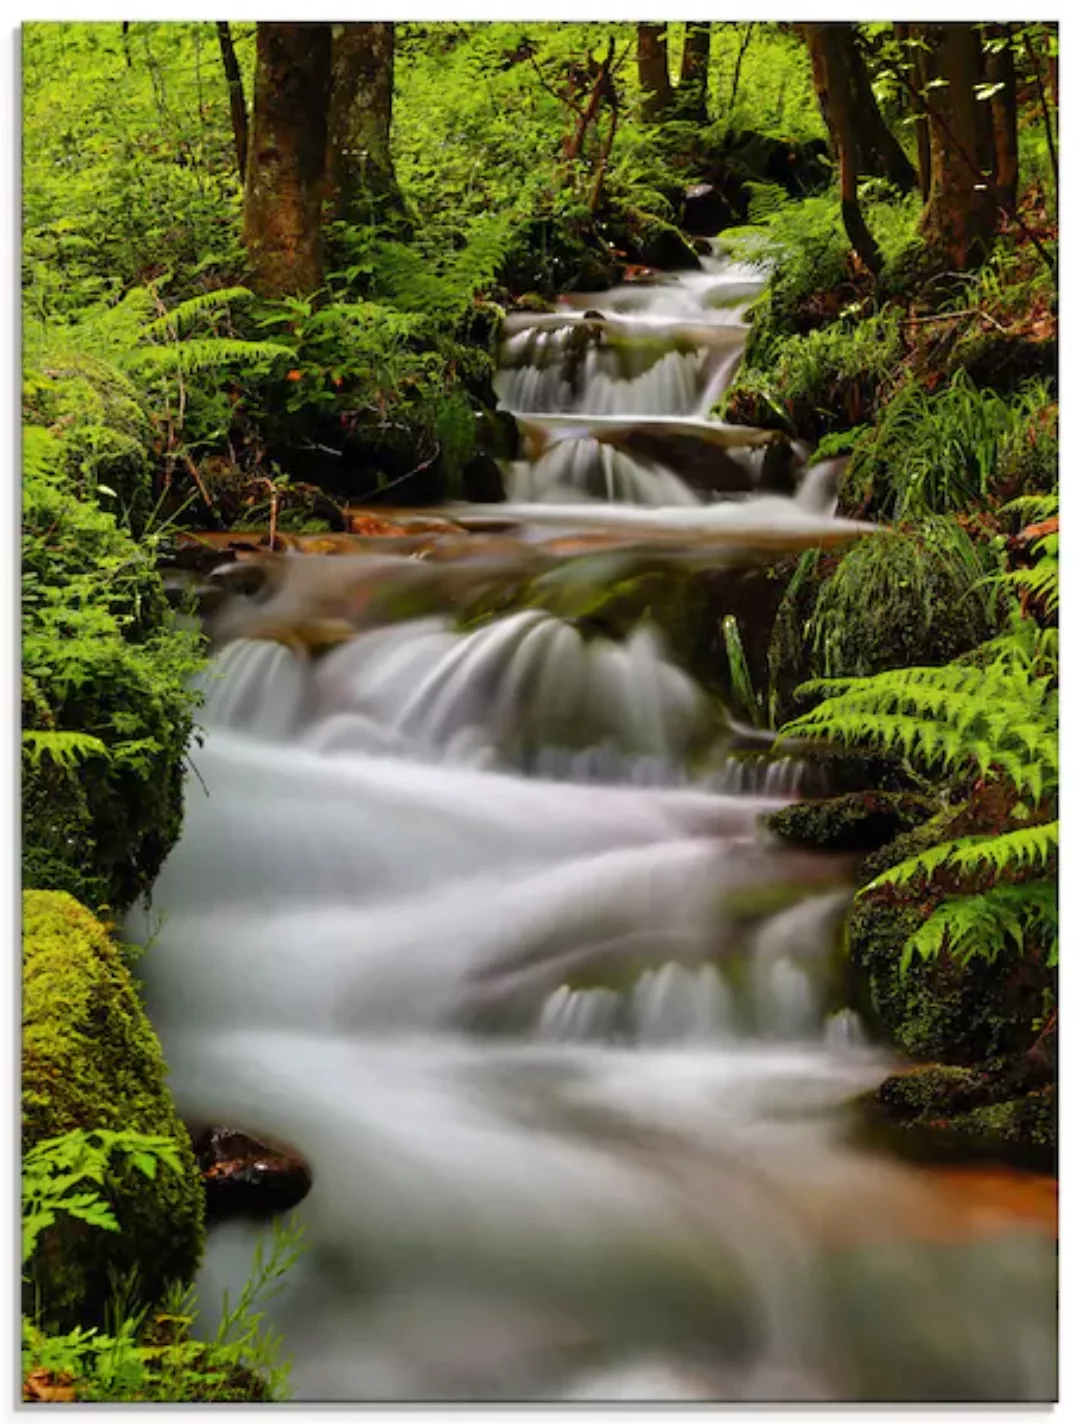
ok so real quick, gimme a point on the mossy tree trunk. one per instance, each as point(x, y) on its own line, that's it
point(237, 106)
point(959, 218)
point(830, 52)
point(657, 95)
point(693, 91)
point(361, 185)
point(286, 158)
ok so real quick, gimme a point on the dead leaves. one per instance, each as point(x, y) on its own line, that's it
point(48, 1387)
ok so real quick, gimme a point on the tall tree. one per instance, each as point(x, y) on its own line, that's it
point(237, 106)
point(913, 68)
point(360, 181)
point(877, 150)
point(960, 215)
point(830, 63)
point(652, 57)
point(693, 91)
point(286, 157)
point(1001, 75)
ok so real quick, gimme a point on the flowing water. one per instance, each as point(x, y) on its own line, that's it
point(476, 921)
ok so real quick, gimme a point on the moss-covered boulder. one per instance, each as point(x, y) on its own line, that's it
point(860, 821)
point(91, 1060)
point(104, 661)
point(942, 1111)
point(942, 1010)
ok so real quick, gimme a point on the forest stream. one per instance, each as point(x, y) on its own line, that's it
point(473, 920)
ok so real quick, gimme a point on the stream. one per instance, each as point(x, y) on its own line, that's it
point(469, 919)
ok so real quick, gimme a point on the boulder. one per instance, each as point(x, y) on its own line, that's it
point(91, 1060)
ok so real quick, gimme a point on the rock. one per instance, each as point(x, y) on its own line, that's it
point(91, 1060)
point(860, 821)
point(244, 1177)
point(658, 244)
point(943, 1112)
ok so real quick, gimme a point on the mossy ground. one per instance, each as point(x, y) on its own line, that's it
point(91, 1060)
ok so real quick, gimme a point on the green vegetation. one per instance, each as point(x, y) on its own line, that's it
point(91, 1064)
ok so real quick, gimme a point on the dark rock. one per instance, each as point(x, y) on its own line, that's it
point(860, 821)
point(244, 1177)
point(481, 480)
point(941, 1112)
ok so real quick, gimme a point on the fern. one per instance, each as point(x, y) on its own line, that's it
point(208, 354)
point(66, 749)
point(989, 718)
point(986, 925)
point(205, 304)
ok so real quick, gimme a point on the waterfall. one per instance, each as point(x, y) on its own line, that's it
point(462, 915)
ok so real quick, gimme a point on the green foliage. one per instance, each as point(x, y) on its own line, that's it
point(903, 597)
point(987, 724)
point(102, 660)
point(748, 700)
point(938, 452)
point(56, 1165)
point(153, 1359)
point(811, 384)
point(93, 1075)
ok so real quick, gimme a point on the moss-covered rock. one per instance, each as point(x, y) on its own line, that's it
point(940, 1010)
point(859, 821)
point(90, 1060)
point(102, 657)
point(943, 1111)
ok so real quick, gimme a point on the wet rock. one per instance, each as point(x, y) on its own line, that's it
point(942, 1112)
point(244, 1177)
point(859, 821)
point(658, 244)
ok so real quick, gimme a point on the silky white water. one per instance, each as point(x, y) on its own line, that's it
point(464, 917)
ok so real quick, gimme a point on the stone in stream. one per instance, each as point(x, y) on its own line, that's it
point(244, 1177)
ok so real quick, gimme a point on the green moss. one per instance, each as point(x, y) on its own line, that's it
point(859, 821)
point(90, 1060)
point(943, 1111)
point(941, 1010)
point(1028, 462)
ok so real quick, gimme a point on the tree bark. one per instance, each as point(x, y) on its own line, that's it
point(1001, 69)
point(916, 102)
point(286, 158)
point(361, 186)
point(237, 105)
point(959, 218)
point(652, 57)
point(693, 91)
point(830, 64)
point(877, 151)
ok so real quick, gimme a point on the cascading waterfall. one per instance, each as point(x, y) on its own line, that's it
point(561, 1034)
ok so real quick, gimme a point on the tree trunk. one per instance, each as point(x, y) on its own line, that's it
point(959, 218)
point(237, 106)
point(361, 186)
point(286, 157)
point(829, 62)
point(693, 91)
point(916, 68)
point(652, 59)
point(1000, 69)
point(877, 151)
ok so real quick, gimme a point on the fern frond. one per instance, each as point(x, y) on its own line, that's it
point(181, 316)
point(66, 749)
point(986, 925)
point(187, 357)
point(967, 855)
